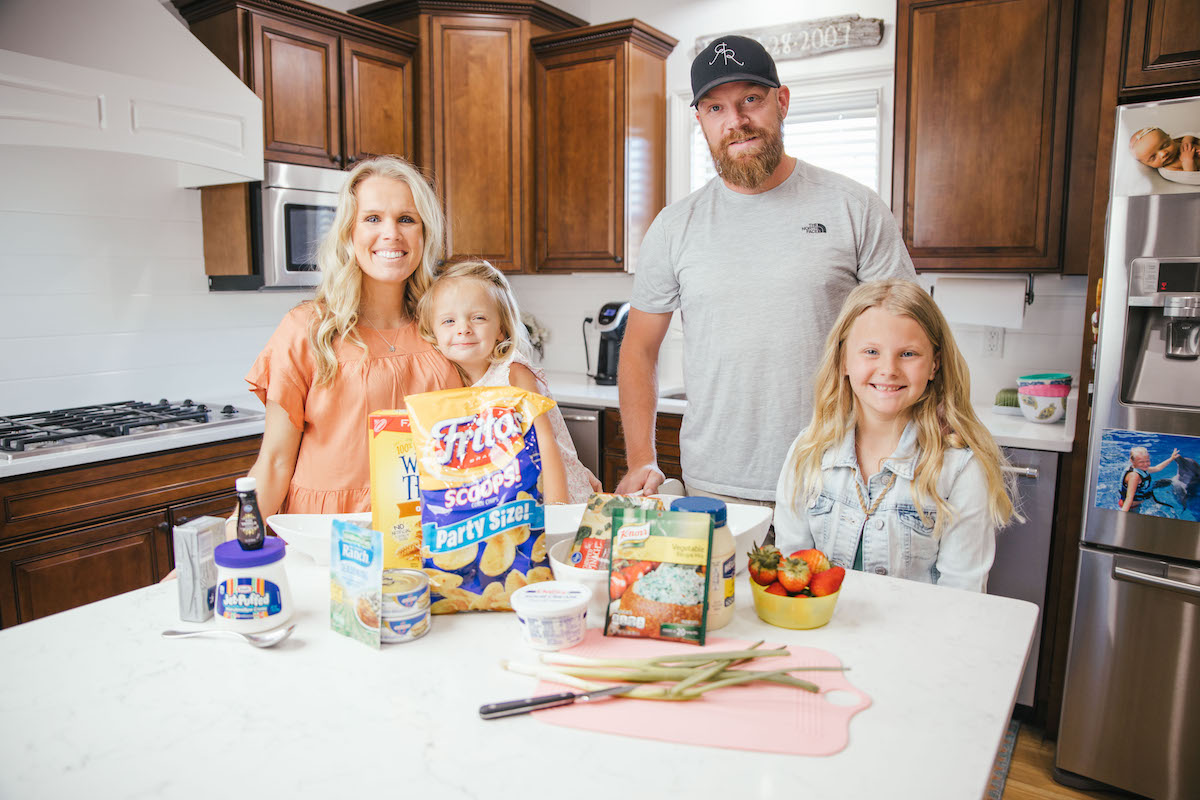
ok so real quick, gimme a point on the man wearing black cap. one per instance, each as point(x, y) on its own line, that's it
point(758, 262)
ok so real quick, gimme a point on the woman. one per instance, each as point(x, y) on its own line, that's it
point(352, 349)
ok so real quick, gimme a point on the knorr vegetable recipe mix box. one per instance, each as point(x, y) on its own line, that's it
point(395, 500)
point(483, 529)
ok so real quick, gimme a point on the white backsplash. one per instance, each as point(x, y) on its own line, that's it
point(105, 298)
point(1049, 339)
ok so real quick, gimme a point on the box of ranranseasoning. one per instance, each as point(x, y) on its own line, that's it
point(395, 499)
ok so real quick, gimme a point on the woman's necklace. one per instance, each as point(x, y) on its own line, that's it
point(391, 346)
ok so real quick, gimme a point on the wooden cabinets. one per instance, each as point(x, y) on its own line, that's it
point(600, 110)
point(1162, 49)
point(334, 88)
point(612, 457)
point(982, 115)
point(475, 130)
point(81, 534)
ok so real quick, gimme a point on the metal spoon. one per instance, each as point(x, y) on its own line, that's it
point(265, 639)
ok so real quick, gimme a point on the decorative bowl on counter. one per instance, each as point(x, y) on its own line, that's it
point(797, 613)
point(309, 533)
point(594, 579)
point(1041, 408)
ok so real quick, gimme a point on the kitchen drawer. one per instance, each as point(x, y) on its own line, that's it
point(47, 576)
point(666, 434)
point(46, 502)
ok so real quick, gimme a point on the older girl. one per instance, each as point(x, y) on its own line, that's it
point(895, 474)
point(352, 349)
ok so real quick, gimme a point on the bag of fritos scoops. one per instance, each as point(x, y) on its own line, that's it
point(482, 518)
point(593, 539)
point(395, 500)
point(658, 575)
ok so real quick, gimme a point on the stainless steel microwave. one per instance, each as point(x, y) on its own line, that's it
point(290, 210)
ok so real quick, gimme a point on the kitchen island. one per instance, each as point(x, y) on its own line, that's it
point(96, 704)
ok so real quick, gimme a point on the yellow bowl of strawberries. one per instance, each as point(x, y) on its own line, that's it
point(798, 591)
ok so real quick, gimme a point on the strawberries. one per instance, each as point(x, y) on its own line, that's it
point(827, 582)
point(794, 575)
point(816, 560)
point(805, 573)
point(764, 564)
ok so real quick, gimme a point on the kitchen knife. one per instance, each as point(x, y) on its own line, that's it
point(514, 707)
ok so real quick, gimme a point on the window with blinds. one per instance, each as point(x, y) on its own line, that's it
point(839, 132)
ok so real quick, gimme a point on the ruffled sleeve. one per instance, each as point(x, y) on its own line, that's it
point(284, 370)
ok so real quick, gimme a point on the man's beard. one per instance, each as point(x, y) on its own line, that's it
point(749, 171)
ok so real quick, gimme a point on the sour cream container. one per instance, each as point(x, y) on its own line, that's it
point(252, 586)
point(552, 615)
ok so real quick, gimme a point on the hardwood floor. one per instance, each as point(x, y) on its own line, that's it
point(1030, 775)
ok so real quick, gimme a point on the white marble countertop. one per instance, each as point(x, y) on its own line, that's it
point(96, 704)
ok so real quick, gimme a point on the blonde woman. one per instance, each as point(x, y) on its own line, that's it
point(354, 348)
point(895, 475)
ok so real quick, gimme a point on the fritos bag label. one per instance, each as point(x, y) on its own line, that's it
point(482, 518)
point(395, 499)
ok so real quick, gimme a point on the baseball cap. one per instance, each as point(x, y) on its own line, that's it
point(732, 58)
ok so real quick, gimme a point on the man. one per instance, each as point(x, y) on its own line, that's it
point(758, 262)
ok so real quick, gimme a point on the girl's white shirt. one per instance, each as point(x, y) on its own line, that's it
point(895, 540)
point(579, 489)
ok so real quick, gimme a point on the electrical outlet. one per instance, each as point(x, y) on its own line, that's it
point(993, 342)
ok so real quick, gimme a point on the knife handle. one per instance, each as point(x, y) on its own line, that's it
point(514, 707)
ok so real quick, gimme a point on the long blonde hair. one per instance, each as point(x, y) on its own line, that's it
point(516, 337)
point(335, 305)
point(943, 414)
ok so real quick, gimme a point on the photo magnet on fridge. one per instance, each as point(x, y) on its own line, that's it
point(1155, 474)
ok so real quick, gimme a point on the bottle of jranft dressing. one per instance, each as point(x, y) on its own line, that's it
point(722, 564)
point(250, 529)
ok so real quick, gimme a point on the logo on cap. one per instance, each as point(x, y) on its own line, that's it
point(724, 50)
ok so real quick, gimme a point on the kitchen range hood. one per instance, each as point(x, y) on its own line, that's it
point(125, 76)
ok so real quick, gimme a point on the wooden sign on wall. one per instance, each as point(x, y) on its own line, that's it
point(809, 38)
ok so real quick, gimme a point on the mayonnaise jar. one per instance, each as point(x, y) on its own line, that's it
point(252, 586)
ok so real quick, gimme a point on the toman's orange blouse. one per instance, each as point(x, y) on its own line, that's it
point(333, 469)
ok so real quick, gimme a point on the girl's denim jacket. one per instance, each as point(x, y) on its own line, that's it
point(895, 540)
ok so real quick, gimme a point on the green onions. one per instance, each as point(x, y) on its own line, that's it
point(674, 677)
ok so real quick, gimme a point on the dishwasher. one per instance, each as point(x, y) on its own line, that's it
point(584, 426)
point(1023, 549)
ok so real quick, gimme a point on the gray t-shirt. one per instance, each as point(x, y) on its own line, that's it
point(759, 280)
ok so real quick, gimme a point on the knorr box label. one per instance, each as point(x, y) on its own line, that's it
point(395, 499)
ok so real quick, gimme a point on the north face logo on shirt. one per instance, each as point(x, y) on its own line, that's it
point(814, 227)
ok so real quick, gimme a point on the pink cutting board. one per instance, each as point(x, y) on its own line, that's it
point(763, 717)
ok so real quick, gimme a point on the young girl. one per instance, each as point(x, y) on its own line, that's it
point(471, 316)
point(895, 474)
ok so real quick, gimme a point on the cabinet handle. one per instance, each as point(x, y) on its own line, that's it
point(618, 259)
point(1023, 472)
point(351, 159)
point(579, 417)
point(1133, 576)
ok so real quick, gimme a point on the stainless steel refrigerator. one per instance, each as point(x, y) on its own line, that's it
point(1131, 704)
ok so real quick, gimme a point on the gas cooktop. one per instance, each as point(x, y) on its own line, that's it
point(45, 432)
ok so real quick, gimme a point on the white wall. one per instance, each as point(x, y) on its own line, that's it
point(104, 293)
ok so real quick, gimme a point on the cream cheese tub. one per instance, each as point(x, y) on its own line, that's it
point(553, 615)
point(252, 586)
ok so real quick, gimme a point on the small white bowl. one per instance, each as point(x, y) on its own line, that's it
point(1042, 409)
point(310, 533)
point(594, 579)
